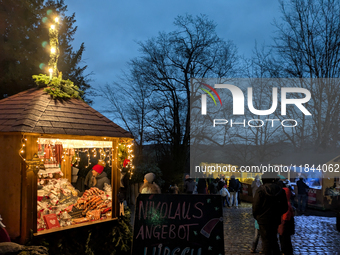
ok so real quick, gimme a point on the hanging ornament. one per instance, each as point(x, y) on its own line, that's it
point(126, 162)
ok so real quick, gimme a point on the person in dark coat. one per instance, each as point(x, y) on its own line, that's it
point(189, 185)
point(302, 195)
point(287, 228)
point(221, 184)
point(234, 186)
point(124, 182)
point(213, 187)
point(201, 186)
point(255, 185)
point(269, 204)
point(97, 178)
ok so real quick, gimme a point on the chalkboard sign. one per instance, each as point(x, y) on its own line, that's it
point(178, 224)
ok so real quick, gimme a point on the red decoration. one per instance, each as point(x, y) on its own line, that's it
point(51, 221)
point(126, 161)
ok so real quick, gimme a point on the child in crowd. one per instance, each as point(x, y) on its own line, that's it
point(225, 195)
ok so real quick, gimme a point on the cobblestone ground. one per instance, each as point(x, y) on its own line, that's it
point(314, 234)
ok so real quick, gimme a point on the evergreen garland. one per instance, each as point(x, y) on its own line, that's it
point(57, 87)
point(122, 154)
point(122, 233)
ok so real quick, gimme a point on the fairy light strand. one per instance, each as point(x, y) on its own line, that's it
point(23, 146)
point(54, 48)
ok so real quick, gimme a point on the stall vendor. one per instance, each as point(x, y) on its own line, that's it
point(96, 177)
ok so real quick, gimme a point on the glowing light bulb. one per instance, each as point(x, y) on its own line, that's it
point(53, 50)
point(50, 70)
point(53, 26)
point(56, 19)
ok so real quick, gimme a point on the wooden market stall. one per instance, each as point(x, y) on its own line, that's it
point(329, 197)
point(225, 171)
point(321, 172)
point(30, 117)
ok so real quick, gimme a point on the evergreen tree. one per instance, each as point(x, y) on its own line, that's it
point(24, 45)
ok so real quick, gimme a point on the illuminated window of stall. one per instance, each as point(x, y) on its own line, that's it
point(74, 182)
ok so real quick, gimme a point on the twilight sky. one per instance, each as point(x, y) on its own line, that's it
point(110, 28)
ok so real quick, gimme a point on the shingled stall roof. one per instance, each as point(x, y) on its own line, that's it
point(34, 111)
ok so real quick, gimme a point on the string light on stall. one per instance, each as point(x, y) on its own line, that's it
point(110, 157)
point(22, 149)
point(131, 156)
point(103, 155)
point(107, 153)
point(64, 155)
point(77, 157)
point(54, 48)
point(88, 156)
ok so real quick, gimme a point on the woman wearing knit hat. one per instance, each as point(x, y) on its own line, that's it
point(98, 178)
point(149, 186)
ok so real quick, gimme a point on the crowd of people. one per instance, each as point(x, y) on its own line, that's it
point(272, 207)
point(230, 193)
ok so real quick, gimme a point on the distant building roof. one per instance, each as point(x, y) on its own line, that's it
point(310, 157)
point(34, 111)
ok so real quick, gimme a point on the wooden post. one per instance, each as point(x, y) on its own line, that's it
point(23, 220)
point(115, 179)
point(66, 167)
point(29, 189)
point(10, 183)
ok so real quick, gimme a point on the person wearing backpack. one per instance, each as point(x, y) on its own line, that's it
point(225, 195)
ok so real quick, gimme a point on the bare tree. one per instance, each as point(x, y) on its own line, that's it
point(308, 46)
point(165, 67)
point(257, 139)
point(129, 105)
